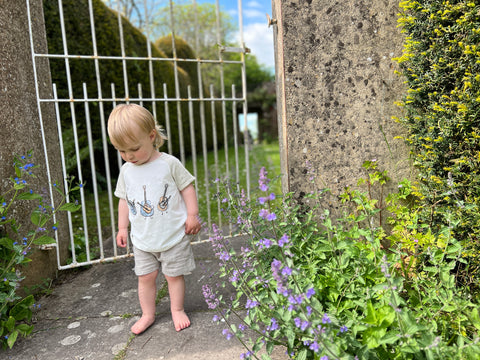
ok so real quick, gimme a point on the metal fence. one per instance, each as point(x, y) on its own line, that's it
point(208, 114)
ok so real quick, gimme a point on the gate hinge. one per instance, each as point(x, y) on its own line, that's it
point(230, 49)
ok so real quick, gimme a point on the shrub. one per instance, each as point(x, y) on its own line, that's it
point(17, 243)
point(440, 63)
point(79, 38)
point(326, 288)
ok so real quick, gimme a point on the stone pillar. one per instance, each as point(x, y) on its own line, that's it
point(336, 89)
point(20, 120)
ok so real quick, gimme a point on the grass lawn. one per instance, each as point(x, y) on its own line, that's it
point(267, 155)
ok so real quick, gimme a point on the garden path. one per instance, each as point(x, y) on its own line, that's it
point(89, 315)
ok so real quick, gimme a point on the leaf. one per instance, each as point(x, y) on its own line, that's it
point(302, 355)
point(28, 196)
point(44, 240)
point(371, 316)
point(24, 329)
point(290, 337)
point(10, 324)
point(475, 319)
point(12, 338)
point(454, 248)
point(21, 310)
point(372, 335)
point(72, 207)
point(269, 348)
point(6, 242)
point(38, 219)
point(390, 338)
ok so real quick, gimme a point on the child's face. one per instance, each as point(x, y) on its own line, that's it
point(140, 152)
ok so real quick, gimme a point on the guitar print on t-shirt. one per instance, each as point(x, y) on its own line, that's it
point(146, 208)
point(131, 205)
point(163, 202)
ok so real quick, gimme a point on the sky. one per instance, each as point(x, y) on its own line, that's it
point(258, 37)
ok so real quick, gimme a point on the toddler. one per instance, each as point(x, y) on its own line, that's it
point(158, 200)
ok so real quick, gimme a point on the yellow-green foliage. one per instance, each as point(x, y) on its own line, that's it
point(441, 64)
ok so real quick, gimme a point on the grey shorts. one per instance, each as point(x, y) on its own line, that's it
point(175, 261)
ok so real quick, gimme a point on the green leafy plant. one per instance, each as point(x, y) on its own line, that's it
point(17, 243)
point(323, 288)
point(441, 108)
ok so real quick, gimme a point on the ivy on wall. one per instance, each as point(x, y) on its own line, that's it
point(441, 65)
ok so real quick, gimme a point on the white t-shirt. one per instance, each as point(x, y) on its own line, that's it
point(157, 212)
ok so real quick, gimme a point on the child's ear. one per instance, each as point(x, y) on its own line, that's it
point(153, 135)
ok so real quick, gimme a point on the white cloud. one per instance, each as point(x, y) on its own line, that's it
point(253, 13)
point(254, 4)
point(259, 38)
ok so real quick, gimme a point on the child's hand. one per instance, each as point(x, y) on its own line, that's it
point(122, 237)
point(192, 225)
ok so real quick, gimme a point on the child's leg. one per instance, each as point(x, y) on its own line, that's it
point(176, 289)
point(147, 292)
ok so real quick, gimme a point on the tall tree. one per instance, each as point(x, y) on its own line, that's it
point(137, 12)
point(198, 24)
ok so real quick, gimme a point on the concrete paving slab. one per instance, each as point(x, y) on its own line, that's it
point(89, 316)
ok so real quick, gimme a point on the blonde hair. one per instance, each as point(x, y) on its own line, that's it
point(126, 119)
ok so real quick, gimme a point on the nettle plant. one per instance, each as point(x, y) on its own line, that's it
point(323, 288)
point(17, 243)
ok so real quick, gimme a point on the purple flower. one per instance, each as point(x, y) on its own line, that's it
point(297, 321)
point(263, 180)
point(264, 243)
point(251, 304)
point(271, 217)
point(273, 325)
point(286, 271)
point(227, 334)
point(234, 276)
point(210, 298)
point(326, 319)
point(314, 346)
point(302, 324)
point(283, 240)
point(343, 329)
point(246, 355)
point(267, 243)
point(225, 256)
point(271, 196)
point(276, 264)
point(262, 200)
point(310, 293)
point(263, 213)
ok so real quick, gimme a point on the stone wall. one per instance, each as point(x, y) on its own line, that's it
point(20, 122)
point(336, 89)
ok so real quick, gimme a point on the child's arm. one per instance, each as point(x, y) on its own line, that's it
point(122, 235)
point(192, 225)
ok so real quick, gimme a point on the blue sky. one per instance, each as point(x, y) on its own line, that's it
point(256, 33)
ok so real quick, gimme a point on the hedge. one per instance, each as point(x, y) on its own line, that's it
point(441, 65)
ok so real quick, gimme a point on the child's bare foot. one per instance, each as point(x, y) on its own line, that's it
point(180, 320)
point(143, 324)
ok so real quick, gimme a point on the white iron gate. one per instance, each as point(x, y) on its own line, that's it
point(199, 119)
